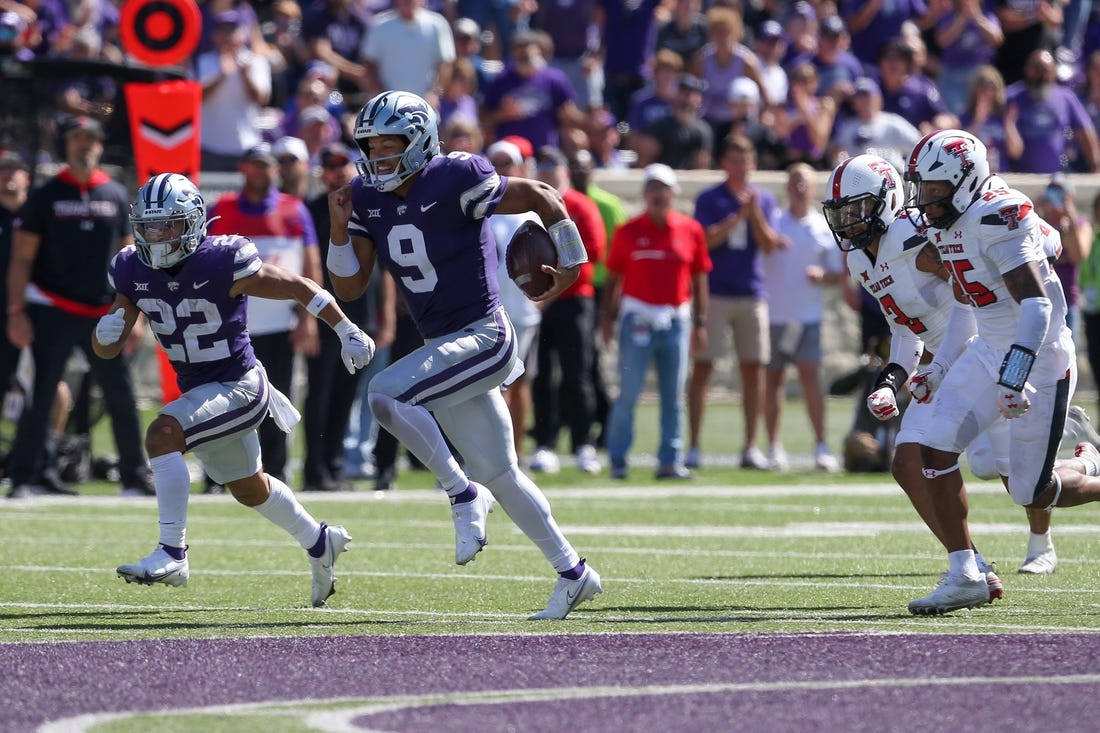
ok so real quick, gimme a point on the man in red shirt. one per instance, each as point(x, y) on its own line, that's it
point(657, 287)
point(567, 336)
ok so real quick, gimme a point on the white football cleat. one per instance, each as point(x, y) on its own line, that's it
point(954, 592)
point(587, 460)
point(568, 594)
point(545, 461)
point(469, 519)
point(1044, 563)
point(324, 567)
point(157, 567)
point(1078, 427)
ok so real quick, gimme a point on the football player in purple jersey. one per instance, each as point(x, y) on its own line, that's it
point(423, 216)
point(194, 291)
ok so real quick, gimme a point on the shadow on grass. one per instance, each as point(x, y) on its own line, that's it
point(158, 620)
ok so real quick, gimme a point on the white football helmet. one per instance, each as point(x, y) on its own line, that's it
point(864, 190)
point(397, 113)
point(167, 199)
point(954, 156)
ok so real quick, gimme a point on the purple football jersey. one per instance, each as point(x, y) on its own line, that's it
point(201, 327)
point(437, 242)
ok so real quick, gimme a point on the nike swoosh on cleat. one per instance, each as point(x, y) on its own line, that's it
point(425, 207)
point(196, 286)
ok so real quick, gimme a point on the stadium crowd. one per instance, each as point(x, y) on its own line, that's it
point(556, 89)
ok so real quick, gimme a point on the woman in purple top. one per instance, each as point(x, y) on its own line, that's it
point(807, 120)
point(987, 117)
point(968, 38)
point(724, 59)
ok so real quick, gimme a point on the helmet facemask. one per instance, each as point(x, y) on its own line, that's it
point(845, 215)
point(168, 217)
point(404, 115)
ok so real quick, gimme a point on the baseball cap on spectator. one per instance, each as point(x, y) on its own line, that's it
point(692, 82)
point(261, 153)
point(1061, 180)
point(290, 147)
point(10, 159)
point(315, 113)
point(770, 30)
point(466, 28)
point(833, 26)
point(12, 21)
point(335, 154)
point(867, 85)
point(744, 89)
point(505, 148)
point(804, 10)
point(318, 69)
point(526, 149)
point(227, 17)
point(83, 123)
point(662, 174)
point(550, 157)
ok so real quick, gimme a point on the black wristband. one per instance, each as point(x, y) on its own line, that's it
point(892, 376)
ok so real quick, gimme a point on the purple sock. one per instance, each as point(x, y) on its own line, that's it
point(575, 572)
point(318, 548)
point(176, 553)
point(469, 494)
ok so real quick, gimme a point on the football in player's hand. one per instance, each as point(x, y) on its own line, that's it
point(530, 249)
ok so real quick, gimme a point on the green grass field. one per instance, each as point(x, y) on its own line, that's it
point(731, 551)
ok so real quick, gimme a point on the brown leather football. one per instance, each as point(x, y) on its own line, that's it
point(530, 248)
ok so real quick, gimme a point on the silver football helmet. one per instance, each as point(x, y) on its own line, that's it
point(863, 190)
point(396, 113)
point(169, 220)
point(956, 157)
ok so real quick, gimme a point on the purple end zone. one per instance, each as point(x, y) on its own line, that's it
point(50, 681)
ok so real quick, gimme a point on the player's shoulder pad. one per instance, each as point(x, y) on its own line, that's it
point(905, 237)
point(1003, 208)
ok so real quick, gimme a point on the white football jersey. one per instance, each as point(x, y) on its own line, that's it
point(909, 298)
point(996, 234)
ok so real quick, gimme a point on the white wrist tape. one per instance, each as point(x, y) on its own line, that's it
point(342, 260)
point(344, 327)
point(320, 301)
point(567, 240)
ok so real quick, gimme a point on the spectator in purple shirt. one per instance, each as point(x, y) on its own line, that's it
point(873, 22)
point(334, 31)
point(837, 68)
point(909, 93)
point(655, 100)
point(1047, 114)
point(1028, 25)
point(991, 122)
point(529, 98)
point(968, 37)
point(627, 37)
point(570, 25)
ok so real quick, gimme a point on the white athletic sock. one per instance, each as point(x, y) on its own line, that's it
point(983, 566)
point(283, 510)
point(963, 563)
point(173, 486)
point(416, 428)
point(1037, 544)
point(530, 511)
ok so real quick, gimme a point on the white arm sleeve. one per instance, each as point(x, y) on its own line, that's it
point(905, 349)
point(961, 326)
point(1034, 322)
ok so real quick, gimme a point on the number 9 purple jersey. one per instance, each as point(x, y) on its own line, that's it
point(202, 328)
point(437, 242)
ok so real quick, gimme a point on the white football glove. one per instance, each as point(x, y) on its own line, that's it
point(110, 327)
point(1012, 403)
point(883, 403)
point(926, 381)
point(356, 347)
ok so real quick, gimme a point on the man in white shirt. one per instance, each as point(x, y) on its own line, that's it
point(795, 277)
point(236, 84)
point(409, 48)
